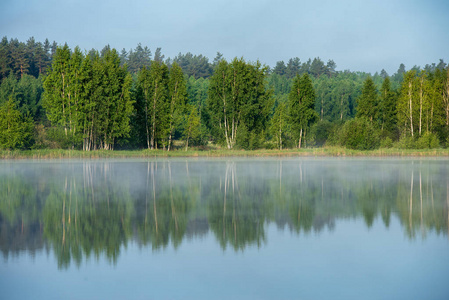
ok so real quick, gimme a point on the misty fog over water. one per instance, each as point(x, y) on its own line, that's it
point(185, 222)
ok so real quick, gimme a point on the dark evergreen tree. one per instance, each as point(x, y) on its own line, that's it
point(317, 68)
point(388, 113)
point(368, 102)
point(158, 56)
point(138, 58)
point(16, 130)
point(280, 68)
point(123, 57)
point(293, 67)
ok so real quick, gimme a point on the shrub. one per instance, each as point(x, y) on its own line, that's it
point(405, 142)
point(427, 141)
point(386, 143)
point(320, 132)
point(359, 134)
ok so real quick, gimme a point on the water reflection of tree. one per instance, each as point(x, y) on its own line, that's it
point(89, 209)
point(20, 212)
point(87, 216)
point(166, 208)
point(236, 210)
point(423, 200)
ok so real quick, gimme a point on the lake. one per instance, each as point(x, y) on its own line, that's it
point(225, 228)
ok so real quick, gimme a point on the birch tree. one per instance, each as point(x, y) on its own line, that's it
point(407, 106)
point(177, 97)
point(238, 102)
point(301, 107)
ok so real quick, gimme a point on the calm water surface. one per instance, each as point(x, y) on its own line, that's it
point(289, 228)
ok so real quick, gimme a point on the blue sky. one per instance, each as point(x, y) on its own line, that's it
point(358, 35)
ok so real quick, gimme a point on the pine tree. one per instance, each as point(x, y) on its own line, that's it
point(388, 109)
point(16, 131)
point(368, 102)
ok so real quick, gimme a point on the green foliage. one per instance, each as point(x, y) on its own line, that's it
point(55, 138)
point(279, 125)
point(301, 106)
point(427, 141)
point(238, 103)
point(368, 102)
point(89, 97)
point(386, 143)
point(320, 132)
point(405, 142)
point(407, 108)
point(26, 93)
point(192, 131)
point(388, 110)
point(137, 58)
point(197, 66)
point(16, 130)
point(177, 91)
point(359, 134)
point(152, 104)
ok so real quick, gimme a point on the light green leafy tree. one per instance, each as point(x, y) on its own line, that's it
point(279, 124)
point(301, 101)
point(116, 106)
point(152, 98)
point(177, 96)
point(407, 106)
point(238, 103)
point(193, 126)
point(56, 90)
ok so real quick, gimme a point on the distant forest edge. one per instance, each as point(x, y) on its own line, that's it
point(55, 97)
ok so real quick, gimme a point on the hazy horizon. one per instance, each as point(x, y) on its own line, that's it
point(365, 36)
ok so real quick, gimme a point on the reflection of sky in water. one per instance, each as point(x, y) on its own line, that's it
point(326, 228)
point(351, 262)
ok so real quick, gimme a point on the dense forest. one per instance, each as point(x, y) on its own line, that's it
point(52, 96)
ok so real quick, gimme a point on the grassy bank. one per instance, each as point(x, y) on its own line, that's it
point(312, 152)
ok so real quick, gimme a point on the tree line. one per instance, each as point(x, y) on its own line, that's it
point(54, 97)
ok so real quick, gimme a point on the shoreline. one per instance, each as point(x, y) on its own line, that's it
point(307, 152)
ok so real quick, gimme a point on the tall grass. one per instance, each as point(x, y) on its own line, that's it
point(325, 151)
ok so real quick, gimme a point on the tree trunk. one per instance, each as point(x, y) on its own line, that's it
point(280, 133)
point(153, 130)
point(420, 106)
point(224, 114)
point(154, 198)
point(169, 139)
point(446, 98)
point(300, 139)
point(146, 122)
point(410, 104)
point(322, 109)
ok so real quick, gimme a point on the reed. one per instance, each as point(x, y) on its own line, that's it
point(217, 152)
